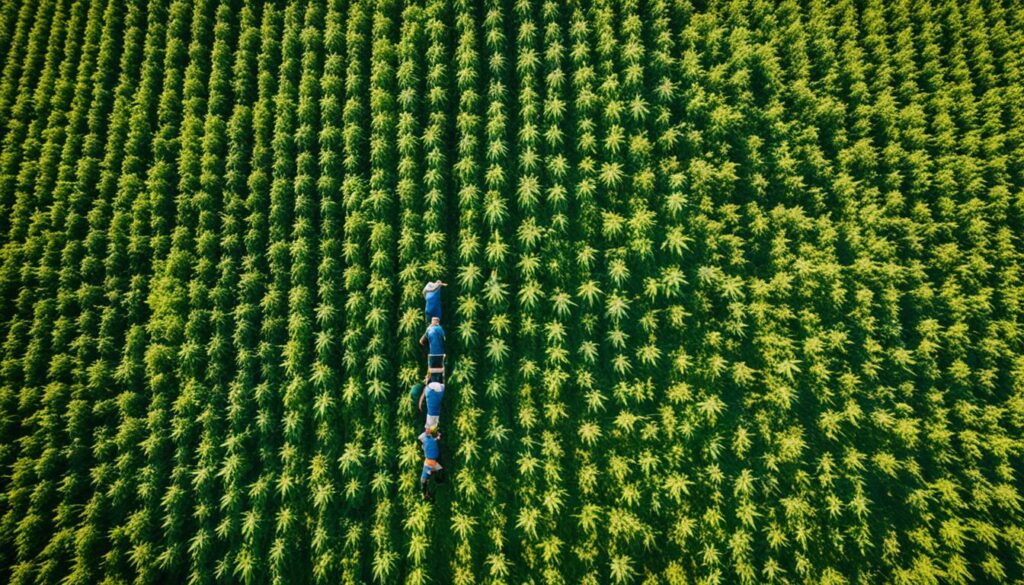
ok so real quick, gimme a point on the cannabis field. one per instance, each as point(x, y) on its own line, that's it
point(735, 291)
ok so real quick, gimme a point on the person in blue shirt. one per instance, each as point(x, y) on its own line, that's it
point(431, 453)
point(433, 338)
point(432, 295)
point(432, 395)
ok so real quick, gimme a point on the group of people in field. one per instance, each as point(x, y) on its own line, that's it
point(430, 393)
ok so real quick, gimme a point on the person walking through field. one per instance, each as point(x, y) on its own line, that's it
point(432, 396)
point(433, 339)
point(430, 439)
point(432, 296)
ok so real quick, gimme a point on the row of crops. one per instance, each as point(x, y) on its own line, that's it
point(735, 290)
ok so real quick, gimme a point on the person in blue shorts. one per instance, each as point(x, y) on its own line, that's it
point(432, 295)
point(431, 453)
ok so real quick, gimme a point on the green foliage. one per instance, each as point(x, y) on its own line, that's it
point(734, 291)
